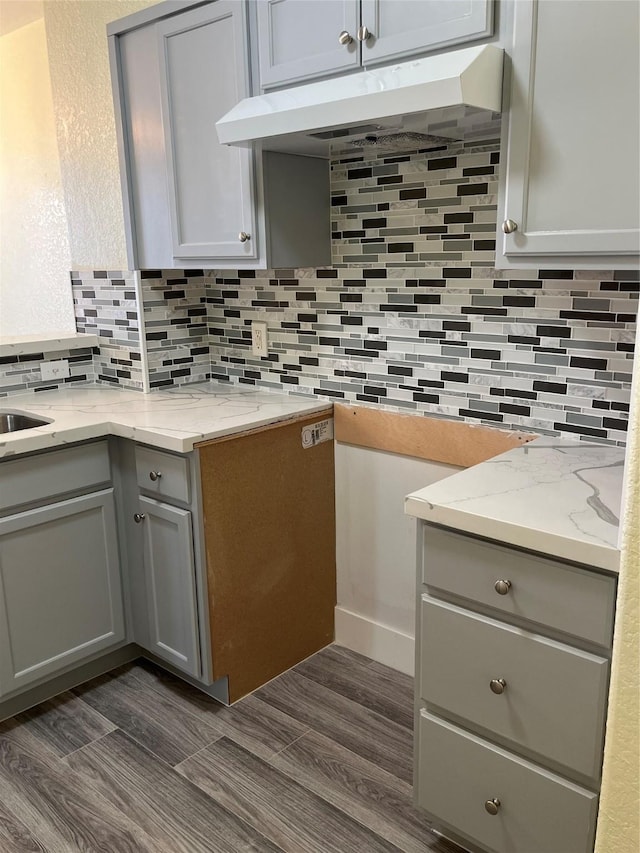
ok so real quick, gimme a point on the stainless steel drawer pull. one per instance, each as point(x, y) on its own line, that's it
point(498, 685)
point(155, 475)
point(493, 806)
point(509, 226)
point(139, 517)
point(364, 33)
point(502, 587)
point(243, 236)
point(345, 37)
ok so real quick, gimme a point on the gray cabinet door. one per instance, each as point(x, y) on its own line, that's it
point(171, 588)
point(299, 39)
point(399, 28)
point(60, 590)
point(575, 93)
point(203, 74)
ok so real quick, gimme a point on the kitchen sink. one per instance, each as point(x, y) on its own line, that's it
point(14, 421)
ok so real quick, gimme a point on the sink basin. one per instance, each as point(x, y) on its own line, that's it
point(14, 421)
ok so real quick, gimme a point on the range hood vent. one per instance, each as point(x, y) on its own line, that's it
point(453, 95)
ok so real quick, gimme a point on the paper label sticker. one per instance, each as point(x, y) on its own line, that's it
point(317, 433)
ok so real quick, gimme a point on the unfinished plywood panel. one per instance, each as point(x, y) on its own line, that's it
point(434, 439)
point(269, 522)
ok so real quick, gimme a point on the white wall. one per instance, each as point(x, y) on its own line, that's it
point(376, 551)
point(35, 289)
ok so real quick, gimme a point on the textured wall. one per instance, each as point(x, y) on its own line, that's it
point(619, 816)
point(35, 296)
point(83, 107)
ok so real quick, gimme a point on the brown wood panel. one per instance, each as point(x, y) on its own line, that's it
point(269, 522)
point(435, 439)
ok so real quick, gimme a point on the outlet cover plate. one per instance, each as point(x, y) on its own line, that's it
point(259, 343)
point(54, 369)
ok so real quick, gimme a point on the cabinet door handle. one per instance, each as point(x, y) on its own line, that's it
point(493, 806)
point(498, 685)
point(243, 236)
point(155, 475)
point(345, 37)
point(364, 33)
point(502, 587)
point(509, 226)
point(139, 517)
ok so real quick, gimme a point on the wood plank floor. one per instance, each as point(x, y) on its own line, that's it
point(137, 761)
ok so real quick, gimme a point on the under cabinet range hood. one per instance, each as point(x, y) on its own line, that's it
point(454, 95)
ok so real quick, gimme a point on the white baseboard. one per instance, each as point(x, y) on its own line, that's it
point(376, 641)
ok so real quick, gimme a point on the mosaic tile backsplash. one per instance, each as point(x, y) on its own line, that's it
point(176, 332)
point(20, 373)
point(411, 316)
point(105, 305)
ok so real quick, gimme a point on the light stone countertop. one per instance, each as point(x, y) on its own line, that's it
point(173, 419)
point(554, 496)
point(16, 345)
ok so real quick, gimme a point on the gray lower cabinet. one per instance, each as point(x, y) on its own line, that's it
point(510, 696)
point(549, 214)
point(190, 201)
point(170, 580)
point(166, 578)
point(61, 597)
point(301, 40)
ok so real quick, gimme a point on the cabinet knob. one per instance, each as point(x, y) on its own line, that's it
point(155, 475)
point(345, 37)
point(243, 236)
point(498, 685)
point(139, 517)
point(493, 806)
point(364, 33)
point(502, 587)
point(509, 226)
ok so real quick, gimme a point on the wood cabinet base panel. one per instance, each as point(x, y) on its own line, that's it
point(269, 521)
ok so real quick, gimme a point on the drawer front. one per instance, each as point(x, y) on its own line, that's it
point(47, 475)
point(538, 811)
point(163, 475)
point(573, 600)
point(554, 701)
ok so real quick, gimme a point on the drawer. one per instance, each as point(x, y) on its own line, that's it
point(538, 813)
point(162, 474)
point(39, 478)
point(554, 702)
point(563, 597)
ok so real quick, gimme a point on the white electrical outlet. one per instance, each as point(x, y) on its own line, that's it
point(54, 369)
point(259, 345)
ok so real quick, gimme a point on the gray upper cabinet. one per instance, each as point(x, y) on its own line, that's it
point(303, 39)
point(399, 28)
point(569, 190)
point(190, 201)
point(203, 74)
